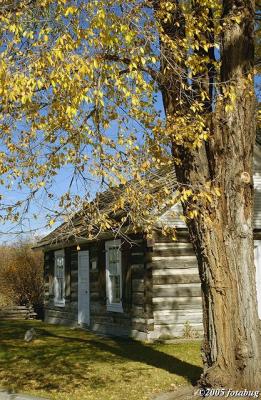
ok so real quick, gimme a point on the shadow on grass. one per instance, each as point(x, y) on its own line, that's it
point(139, 352)
point(61, 359)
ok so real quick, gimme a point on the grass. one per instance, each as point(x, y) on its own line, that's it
point(63, 363)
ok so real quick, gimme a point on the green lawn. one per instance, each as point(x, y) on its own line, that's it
point(64, 363)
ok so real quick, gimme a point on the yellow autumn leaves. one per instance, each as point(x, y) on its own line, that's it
point(80, 85)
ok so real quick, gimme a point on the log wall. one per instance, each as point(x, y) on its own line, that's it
point(17, 312)
point(133, 321)
point(161, 289)
point(177, 304)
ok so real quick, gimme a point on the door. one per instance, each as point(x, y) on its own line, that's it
point(257, 247)
point(83, 288)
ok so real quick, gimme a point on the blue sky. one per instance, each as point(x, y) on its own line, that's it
point(38, 207)
point(34, 223)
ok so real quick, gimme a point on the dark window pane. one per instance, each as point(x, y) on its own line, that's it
point(115, 288)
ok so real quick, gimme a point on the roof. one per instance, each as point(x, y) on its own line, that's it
point(76, 229)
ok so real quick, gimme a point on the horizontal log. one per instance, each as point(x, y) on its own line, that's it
point(179, 303)
point(14, 317)
point(142, 326)
point(102, 319)
point(17, 312)
point(13, 311)
point(94, 286)
point(71, 306)
point(61, 314)
point(138, 248)
point(137, 311)
point(175, 251)
point(177, 290)
point(94, 296)
point(94, 274)
point(175, 271)
point(74, 296)
point(175, 262)
point(137, 298)
point(137, 259)
point(142, 320)
point(172, 279)
point(74, 285)
point(62, 321)
point(181, 235)
point(137, 271)
point(176, 330)
point(97, 307)
point(112, 317)
point(177, 318)
point(171, 245)
point(67, 308)
point(111, 329)
point(10, 308)
point(7, 315)
point(137, 253)
point(169, 313)
point(137, 285)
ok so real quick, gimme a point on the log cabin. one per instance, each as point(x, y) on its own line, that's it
point(147, 289)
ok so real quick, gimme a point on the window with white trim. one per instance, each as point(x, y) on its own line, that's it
point(59, 278)
point(113, 275)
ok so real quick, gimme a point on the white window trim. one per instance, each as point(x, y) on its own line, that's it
point(59, 303)
point(116, 307)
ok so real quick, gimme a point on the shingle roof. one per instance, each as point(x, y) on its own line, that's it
point(105, 201)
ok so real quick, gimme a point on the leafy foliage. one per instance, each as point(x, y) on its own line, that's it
point(80, 87)
point(21, 275)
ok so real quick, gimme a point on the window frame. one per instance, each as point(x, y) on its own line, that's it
point(59, 302)
point(116, 307)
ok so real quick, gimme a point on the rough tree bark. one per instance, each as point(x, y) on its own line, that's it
point(222, 233)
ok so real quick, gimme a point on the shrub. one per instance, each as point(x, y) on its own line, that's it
point(21, 275)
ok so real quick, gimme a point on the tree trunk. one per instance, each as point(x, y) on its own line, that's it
point(222, 233)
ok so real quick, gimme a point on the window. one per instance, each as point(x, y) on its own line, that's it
point(113, 276)
point(59, 281)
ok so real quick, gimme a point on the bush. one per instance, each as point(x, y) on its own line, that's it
point(21, 275)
